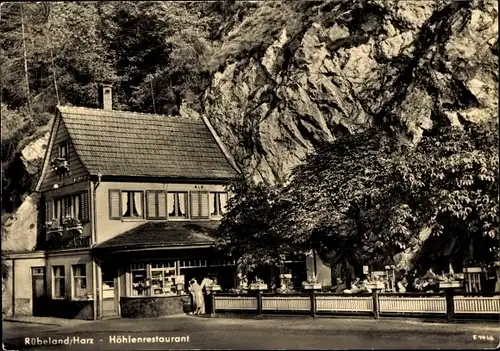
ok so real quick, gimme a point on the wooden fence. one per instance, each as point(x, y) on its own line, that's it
point(415, 303)
point(477, 304)
point(450, 306)
point(336, 303)
point(286, 303)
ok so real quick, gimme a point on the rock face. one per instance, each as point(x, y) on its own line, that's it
point(408, 64)
point(20, 231)
point(32, 155)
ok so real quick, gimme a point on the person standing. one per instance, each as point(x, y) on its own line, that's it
point(196, 291)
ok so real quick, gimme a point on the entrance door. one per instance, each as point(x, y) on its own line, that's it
point(38, 289)
point(109, 291)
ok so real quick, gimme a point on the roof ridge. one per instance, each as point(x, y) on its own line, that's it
point(124, 111)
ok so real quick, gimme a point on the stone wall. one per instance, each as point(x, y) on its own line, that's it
point(146, 307)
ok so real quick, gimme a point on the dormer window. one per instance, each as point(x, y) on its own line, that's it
point(63, 150)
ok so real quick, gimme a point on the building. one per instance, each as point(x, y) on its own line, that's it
point(131, 202)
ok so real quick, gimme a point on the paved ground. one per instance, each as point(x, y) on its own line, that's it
point(239, 333)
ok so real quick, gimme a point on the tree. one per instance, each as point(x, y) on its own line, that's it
point(343, 203)
point(453, 177)
point(245, 231)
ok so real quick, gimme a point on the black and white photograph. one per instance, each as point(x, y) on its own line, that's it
point(250, 175)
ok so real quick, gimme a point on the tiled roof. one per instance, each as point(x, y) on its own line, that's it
point(174, 233)
point(121, 143)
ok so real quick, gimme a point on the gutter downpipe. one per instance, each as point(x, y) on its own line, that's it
point(97, 305)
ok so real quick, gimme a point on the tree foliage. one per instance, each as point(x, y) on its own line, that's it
point(364, 198)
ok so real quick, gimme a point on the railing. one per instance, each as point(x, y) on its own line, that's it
point(486, 305)
point(412, 303)
point(286, 303)
point(477, 304)
point(56, 243)
point(351, 303)
point(235, 302)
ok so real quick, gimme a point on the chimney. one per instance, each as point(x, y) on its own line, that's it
point(105, 97)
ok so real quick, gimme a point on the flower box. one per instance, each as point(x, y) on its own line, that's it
point(312, 286)
point(286, 276)
point(450, 284)
point(375, 285)
point(473, 270)
point(53, 226)
point(60, 164)
point(258, 286)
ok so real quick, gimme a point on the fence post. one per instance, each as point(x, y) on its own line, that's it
point(313, 303)
point(212, 307)
point(450, 306)
point(376, 309)
point(259, 302)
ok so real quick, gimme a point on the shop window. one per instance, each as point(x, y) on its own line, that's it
point(163, 280)
point(199, 204)
point(218, 202)
point(177, 204)
point(139, 276)
point(79, 280)
point(223, 263)
point(59, 282)
point(193, 263)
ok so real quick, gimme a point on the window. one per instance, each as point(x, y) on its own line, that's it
point(132, 204)
point(193, 263)
point(79, 280)
point(139, 276)
point(163, 279)
point(156, 204)
point(75, 205)
point(199, 204)
point(63, 149)
point(59, 290)
point(126, 204)
point(177, 205)
point(218, 202)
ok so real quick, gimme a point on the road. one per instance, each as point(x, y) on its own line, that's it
point(244, 333)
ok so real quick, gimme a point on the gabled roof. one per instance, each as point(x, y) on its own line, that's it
point(173, 233)
point(121, 143)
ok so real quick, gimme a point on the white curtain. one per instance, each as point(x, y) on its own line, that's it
point(171, 204)
point(212, 204)
point(182, 204)
point(125, 203)
point(76, 206)
point(223, 202)
point(138, 203)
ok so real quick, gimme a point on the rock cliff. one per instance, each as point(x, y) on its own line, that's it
point(407, 65)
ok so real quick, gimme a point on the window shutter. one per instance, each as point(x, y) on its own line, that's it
point(151, 204)
point(114, 204)
point(85, 206)
point(195, 204)
point(204, 208)
point(162, 204)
